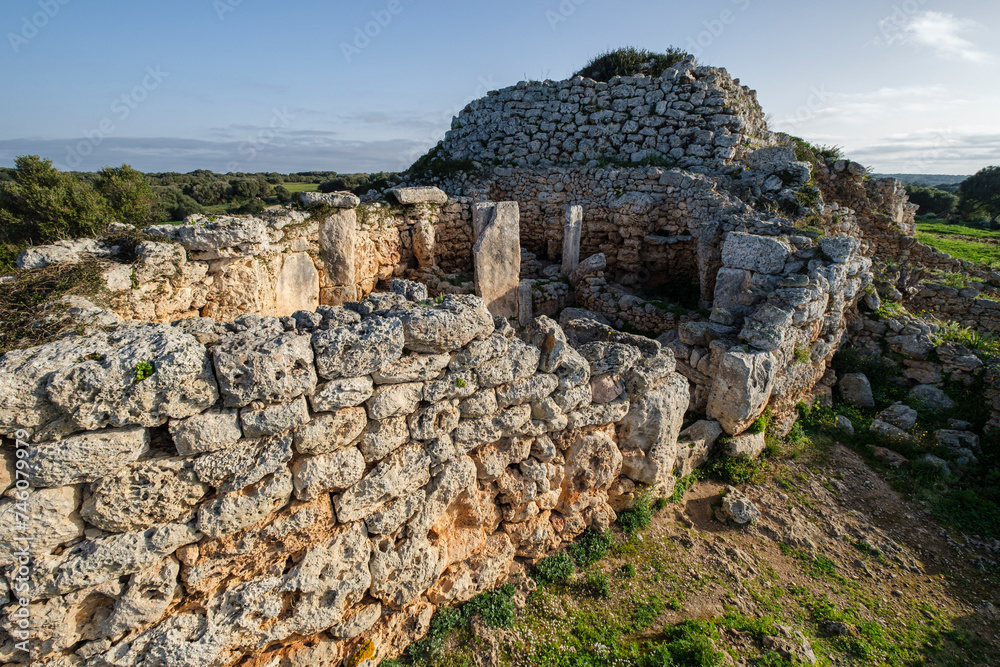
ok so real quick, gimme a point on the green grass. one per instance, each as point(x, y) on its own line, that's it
point(296, 188)
point(962, 242)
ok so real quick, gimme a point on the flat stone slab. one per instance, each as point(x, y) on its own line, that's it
point(497, 255)
point(334, 199)
point(410, 196)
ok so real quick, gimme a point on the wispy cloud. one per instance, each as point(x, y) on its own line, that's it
point(939, 31)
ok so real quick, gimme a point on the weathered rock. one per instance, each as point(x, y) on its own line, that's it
point(329, 432)
point(492, 460)
point(845, 425)
point(933, 398)
point(434, 422)
point(839, 249)
point(572, 231)
point(588, 267)
point(855, 388)
point(746, 445)
point(391, 516)
point(413, 368)
point(208, 432)
point(337, 240)
point(894, 459)
point(742, 388)
point(483, 571)
point(737, 508)
point(957, 440)
point(229, 512)
point(329, 472)
point(382, 437)
point(606, 388)
point(401, 573)
point(402, 473)
point(759, 254)
point(343, 393)
point(648, 433)
point(481, 404)
point(95, 561)
point(46, 520)
point(899, 415)
point(410, 290)
point(527, 390)
point(142, 376)
point(614, 358)
point(259, 422)
point(449, 324)
point(61, 252)
point(695, 444)
point(331, 199)
point(144, 494)
point(889, 431)
point(261, 364)
point(147, 596)
point(86, 457)
point(245, 464)
point(767, 327)
point(358, 349)
point(497, 255)
point(395, 400)
point(421, 195)
point(472, 433)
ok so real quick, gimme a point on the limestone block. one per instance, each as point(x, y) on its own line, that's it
point(358, 349)
point(759, 254)
point(229, 512)
point(328, 472)
point(741, 388)
point(497, 256)
point(298, 285)
point(86, 457)
point(572, 232)
point(262, 364)
point(337, 239)
point(402, 473)
point(330, 431)
point(343, 393)
point(258, 422)
point(207, 432)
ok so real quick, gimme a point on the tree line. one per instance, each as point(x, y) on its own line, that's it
point(976, 199)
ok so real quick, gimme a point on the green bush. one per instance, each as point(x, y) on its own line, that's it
point(42, 205)
point(636, 517)
point(630, 61)
point(596, 585)
point(129, 195)
point(738, 470)
point(591, 547)
point(495, 607)
point(555, 569)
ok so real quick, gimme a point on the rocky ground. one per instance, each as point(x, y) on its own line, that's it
point(838, 570)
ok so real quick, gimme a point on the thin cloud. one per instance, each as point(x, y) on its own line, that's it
point(939, 31)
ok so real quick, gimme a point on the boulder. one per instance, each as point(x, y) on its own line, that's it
point(451, 322)
point(343, 393)
point(742, 388)
point(358, 349)
point(229, 512)
point(932, 398)
point(648, 433)
point(746, 445)
point(758, 254)
point(263, 364)
point(335, 472)
point(331, 431)
point(737, 508)
point(856, 389)
point(420, 195)
point(144, 494)
point(86, 457)
point(899, 415)
point(209, 431)
point(140, 376)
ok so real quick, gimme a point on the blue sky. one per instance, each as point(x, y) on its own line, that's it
point(249, 85)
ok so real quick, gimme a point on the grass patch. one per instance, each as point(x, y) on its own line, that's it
point(985, 254)
point(636, 517)
point(630, 61)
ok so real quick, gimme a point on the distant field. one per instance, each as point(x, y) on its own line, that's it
point(972, 243)
point(295, 188)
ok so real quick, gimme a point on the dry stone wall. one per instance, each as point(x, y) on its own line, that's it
point(292, 491)
point(697, 117)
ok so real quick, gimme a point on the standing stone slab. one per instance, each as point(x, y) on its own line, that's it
point(525, 307)
point(337, 236)
point(298, 285)
point(497, 255)
point(571, 239)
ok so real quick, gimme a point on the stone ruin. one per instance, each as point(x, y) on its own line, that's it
point(290, 437)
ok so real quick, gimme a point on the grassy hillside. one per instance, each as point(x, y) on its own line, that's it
point(962, 241)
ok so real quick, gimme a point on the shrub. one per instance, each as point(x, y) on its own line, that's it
point(495, 607)
point(555, 569)
point(630, 61)
point(129, 195)
point(638, 516)
point(42, 205)
point(596, 585)
point(590, 548)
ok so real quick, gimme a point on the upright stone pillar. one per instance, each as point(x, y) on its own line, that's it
point(497, 255)
point(571, 239)
point(525, 307)
point(337, 234)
